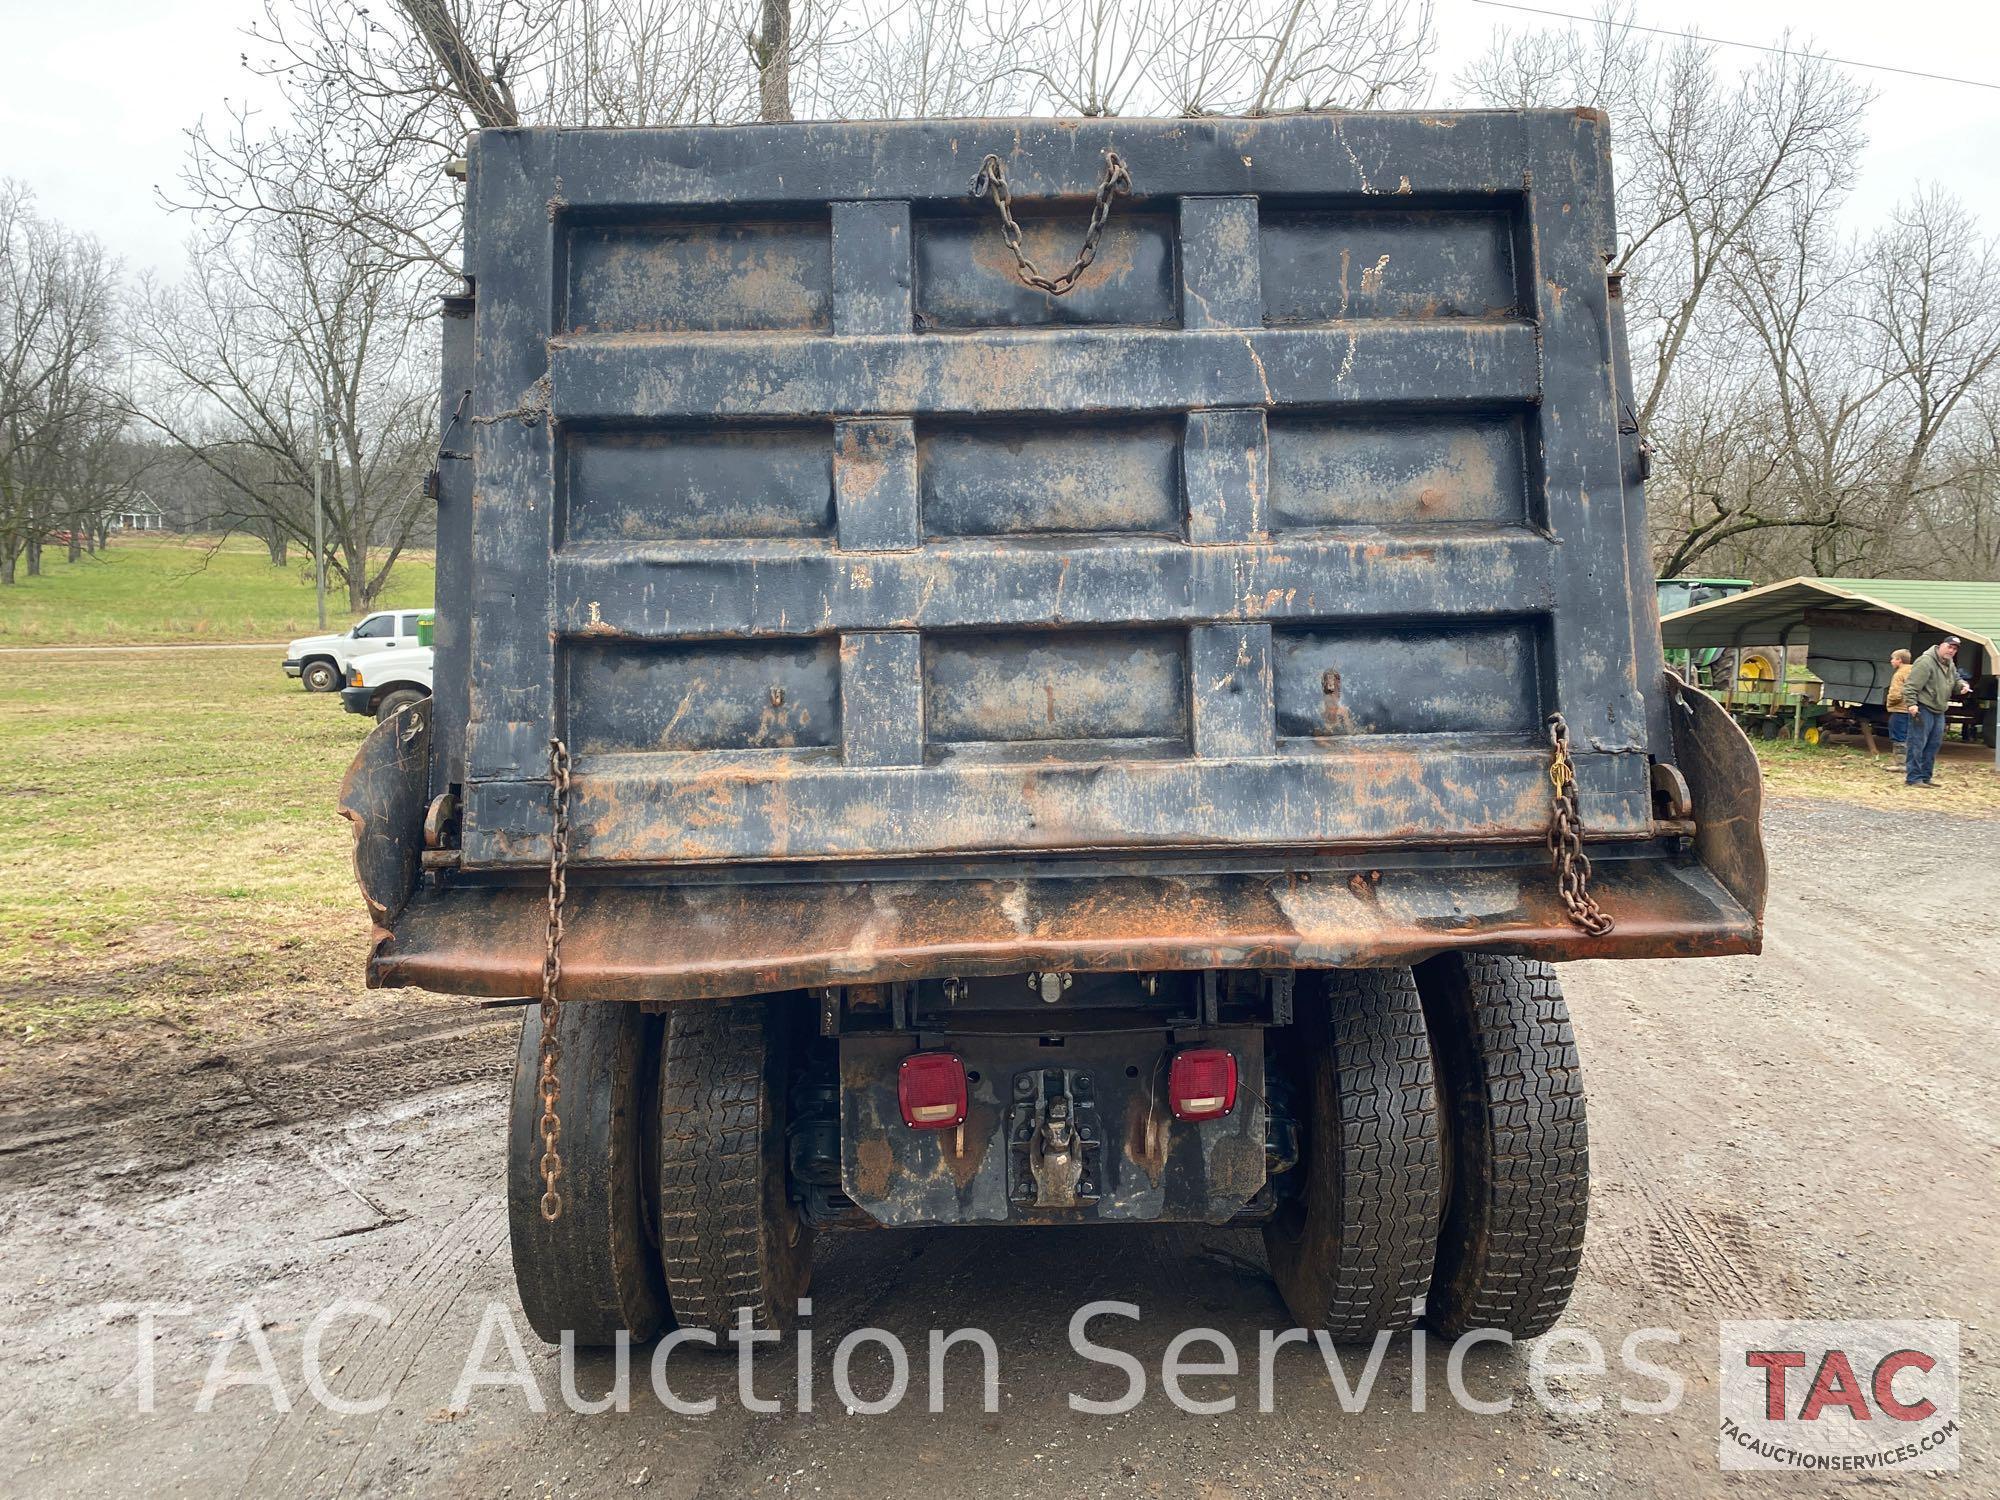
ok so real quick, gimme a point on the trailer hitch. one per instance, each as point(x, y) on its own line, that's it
point(1054, 1160)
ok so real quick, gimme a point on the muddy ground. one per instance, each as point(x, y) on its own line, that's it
point(1812, 1133)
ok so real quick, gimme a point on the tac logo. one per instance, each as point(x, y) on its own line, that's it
point(1839, 1397)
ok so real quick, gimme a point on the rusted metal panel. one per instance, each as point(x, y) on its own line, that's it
point(383, 799)
point(764, 589)
point(1341, 681)
point(1330, 264)
point(1058, 688)
point(704, 695)
point(658, 378)
point(965, 273)
point(1085, 477)
point(1398, 471)
point(1726, 787)
point(1362, 158)
point(1387, 791)
point(451, 628)
point(698, 484)
point(822, 540)
point(720, 277)
point(684, 942)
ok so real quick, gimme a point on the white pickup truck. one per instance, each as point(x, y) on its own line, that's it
point(384, 683)
point(321, 662)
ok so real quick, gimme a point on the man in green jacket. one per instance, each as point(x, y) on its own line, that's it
point(1928, 690)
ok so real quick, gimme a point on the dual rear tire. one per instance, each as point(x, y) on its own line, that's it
point(1351, 1253)
point(1446, 1175)
point(674, 1209)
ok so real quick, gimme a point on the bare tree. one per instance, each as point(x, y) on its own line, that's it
point(1959, 525)
point(1705, 160)
point(382, 97)
point(1117, 57)
point(916, 59)
point(1862, 402)
point(771, 49)
point(1796, 387)
point(482, 90)
point(374, 101)
point(1932, 301)
point(58, 404)
point(1254, 57)
point(286, 335)
point(647, 62)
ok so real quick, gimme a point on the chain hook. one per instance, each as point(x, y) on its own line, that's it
point(549, 1058)
point(1566, 837)
point(991, 182)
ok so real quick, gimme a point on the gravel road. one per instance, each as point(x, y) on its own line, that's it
point(1812, 1133)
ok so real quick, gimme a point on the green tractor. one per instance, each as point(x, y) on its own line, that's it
point(1676, 594)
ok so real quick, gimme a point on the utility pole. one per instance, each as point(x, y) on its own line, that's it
point(322, 442)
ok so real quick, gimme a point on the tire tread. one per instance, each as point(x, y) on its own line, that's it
point(1514, 1232)
point(718, 1247)
point(1362, 1261)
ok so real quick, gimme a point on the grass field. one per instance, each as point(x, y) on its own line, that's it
point(1966, 779)
point(170, 855)
point(173, 871)
point(163, 589)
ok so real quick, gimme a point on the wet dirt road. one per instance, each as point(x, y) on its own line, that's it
point(1814, 1133)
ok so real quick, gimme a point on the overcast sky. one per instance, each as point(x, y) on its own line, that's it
point(97, 92)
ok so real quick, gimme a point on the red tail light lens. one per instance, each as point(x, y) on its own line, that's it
point(1202, 1084)
point(930, 1086)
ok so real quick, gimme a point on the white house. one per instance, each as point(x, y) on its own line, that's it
point(135, 510)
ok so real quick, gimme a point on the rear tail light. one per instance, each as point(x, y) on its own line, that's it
point(930, 1086)
point(1202, 1083)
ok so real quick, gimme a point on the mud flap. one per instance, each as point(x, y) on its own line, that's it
point(1726, 786)
point(383, 795)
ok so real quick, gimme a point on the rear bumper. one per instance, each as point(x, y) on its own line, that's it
point(1668, 898)
point(701, 942)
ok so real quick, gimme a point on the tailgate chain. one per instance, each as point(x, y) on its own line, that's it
point(1566, 837)
point(550, 1057)
point(992, 182)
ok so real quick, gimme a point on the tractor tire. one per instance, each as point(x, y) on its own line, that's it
point(1516, 1140)
point(1760, 671)
point(730, 1236)
point(319, 676)
point(1353, 1253)
point(593, 1271)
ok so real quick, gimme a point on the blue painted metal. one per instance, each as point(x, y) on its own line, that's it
point(826, 543)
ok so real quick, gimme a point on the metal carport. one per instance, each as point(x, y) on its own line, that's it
point(1849, 626)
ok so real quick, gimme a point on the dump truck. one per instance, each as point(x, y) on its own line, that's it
point(999, 673)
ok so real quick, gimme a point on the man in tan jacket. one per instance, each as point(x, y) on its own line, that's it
point(1898, 707)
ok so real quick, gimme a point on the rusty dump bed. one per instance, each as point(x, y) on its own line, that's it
point(905, 621)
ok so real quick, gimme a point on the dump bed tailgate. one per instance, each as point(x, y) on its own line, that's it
point(834, 553)
point(818, 535)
